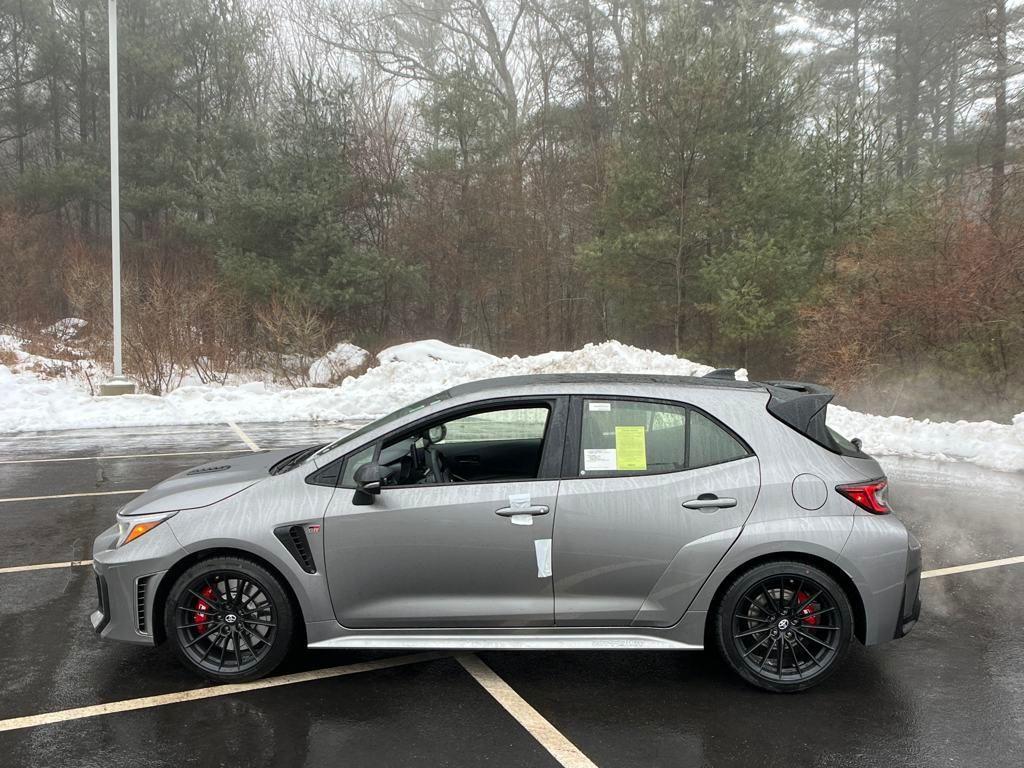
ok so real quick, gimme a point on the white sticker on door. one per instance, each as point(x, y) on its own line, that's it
point(543, 547)
point(599, 406)
point(599, 459)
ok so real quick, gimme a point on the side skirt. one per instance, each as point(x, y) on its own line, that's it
point(508, 642)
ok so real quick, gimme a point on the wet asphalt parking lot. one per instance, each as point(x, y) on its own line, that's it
point(949, 694)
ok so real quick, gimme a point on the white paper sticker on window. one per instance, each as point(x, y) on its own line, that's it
point(543, 547)
point(599, 406)
point(599, 459)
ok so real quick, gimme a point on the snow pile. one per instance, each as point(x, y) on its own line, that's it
point(413, 371)
point(985, 443)
point(34, 403)
point(432, 349)
point(344, 359)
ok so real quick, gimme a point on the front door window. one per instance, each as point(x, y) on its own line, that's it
point(502, 444)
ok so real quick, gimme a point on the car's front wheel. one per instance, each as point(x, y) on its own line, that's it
point(229, 619)
point(784, 625)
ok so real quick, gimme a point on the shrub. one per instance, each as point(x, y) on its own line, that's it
point(924, 316)
point(176, 317)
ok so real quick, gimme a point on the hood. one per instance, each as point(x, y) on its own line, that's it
point(206, 484)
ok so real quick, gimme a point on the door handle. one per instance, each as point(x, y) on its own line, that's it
point(538, 509)
point(709, 501)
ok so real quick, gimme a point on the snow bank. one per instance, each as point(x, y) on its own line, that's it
point(413, 371)
point(985, 443)
point(417, 370)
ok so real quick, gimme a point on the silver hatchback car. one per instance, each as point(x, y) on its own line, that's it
point(540, 512)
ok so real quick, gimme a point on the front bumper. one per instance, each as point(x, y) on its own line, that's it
point(127, 580)
point(910, 606)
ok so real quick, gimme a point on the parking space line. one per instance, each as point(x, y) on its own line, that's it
point(122, 456)
point(972, 567)
point(72, 495)
point(44, 566)
point(196, 694)
point(549, 737)
point(244, 437)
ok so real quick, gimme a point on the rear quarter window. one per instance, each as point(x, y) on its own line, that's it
point(710, 444)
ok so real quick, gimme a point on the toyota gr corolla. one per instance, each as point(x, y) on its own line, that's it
point(538, 512)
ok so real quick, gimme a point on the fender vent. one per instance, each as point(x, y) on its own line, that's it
point(104, 603)
point(294, 539)
point(141, 589)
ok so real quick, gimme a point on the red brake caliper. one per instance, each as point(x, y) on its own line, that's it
point(201, 609)
point(807, 610)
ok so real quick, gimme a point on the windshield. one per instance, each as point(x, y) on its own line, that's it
point(393, 416)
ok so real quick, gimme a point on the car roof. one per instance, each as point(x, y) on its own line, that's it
point(548, 379)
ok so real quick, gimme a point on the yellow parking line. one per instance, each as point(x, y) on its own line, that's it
point(558, 746)
point(72, 495)
point(120, 456)
point(972, 567)
point(210, 692)
point(44, 566)
point(244, 437)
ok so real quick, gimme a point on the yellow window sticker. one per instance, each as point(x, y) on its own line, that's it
point(630, 449)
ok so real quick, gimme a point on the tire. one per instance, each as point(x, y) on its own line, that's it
point(784, 626)
point(229, 619)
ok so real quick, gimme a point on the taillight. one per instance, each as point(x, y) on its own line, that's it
point(870, 496)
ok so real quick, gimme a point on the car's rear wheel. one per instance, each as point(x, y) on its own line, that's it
point(784, 626)
point(229, 619)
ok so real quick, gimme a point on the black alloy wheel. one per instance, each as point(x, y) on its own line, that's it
point(784, 626)
point(229, 619)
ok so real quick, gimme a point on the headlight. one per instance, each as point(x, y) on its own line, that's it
point(130, 527)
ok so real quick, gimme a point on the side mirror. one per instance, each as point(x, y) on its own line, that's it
point(857, 443)
point(370, 478)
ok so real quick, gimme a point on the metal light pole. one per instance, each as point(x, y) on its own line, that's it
point(118, 384)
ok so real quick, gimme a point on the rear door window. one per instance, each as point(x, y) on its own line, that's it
point(639, 437)
point(629, 436)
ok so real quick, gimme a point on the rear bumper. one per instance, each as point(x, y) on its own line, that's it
point(910, 606)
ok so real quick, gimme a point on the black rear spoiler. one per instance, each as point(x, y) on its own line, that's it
point(802, 407)
point(729, 374)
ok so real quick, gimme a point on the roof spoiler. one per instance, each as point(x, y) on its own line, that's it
point(802, 406)
point(722, 373)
